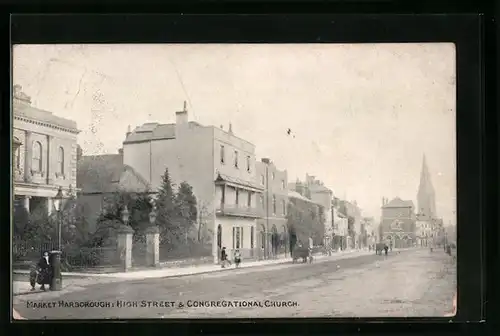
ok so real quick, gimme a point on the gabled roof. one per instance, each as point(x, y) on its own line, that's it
point(102, 173)
point(398, 203)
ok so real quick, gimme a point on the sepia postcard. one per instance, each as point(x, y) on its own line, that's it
point(233, 181)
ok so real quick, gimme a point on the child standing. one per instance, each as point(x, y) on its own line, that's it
point(237, 258)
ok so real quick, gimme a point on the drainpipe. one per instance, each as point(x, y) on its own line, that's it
point(266, 252)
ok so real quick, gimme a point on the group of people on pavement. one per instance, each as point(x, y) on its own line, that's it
point(41, 272)
point(224, 261)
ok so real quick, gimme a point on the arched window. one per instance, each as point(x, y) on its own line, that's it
point(36, 161)
point(60, 161)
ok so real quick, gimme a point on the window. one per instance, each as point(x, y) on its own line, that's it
point(36, 160)
point(60, 161)
point(236, 159)
point(248, 164)
point(262, 201)
point(222, 154)
point(283, 207)
point(237, 237)
point(274, 204)
point(262, 180)
point(252, 233)
point(237, 197)
point(283, 185)
point(249, 199)
point(223, 195)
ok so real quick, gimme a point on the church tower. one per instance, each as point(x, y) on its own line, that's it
point(426, 195)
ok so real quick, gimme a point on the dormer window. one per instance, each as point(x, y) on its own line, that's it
point(236, 159)
point(248, 164)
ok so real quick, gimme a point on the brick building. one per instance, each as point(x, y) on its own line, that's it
point(272, 231)
point(398, 222)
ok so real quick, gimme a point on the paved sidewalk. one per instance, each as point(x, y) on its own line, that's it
point(87, 279)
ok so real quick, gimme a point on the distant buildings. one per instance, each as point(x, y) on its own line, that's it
point(398, 222)
point(44, 154)
point(353, 214)
point(315, 190)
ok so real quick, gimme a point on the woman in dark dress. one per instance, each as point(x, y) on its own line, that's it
point(44, 272)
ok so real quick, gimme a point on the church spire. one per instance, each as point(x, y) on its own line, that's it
point(426, 195)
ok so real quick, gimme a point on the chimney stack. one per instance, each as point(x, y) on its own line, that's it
point(230, 128)
point(128, 131)
point(181, 117)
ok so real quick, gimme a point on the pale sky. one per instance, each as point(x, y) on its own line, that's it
point(362, 115)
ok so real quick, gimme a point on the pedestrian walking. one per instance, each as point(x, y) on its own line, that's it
point(33, 275)
point(237, 258)
point(386, 249)
point(44, 271)
point(223, 258)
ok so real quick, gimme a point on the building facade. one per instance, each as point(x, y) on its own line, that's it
point(354, 218)
point(44, 154)
point(398, 222)
point(340, 231)
point(306, 225)
point(316, 191)
point(218, 165)
point(273, 202)
point(100, 176)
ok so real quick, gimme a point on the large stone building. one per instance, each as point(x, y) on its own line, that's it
point(44, 154)
point(273, 202)
point(218, 165)
point(398, 227)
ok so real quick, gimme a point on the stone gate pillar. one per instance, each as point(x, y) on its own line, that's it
point(152, 246)
point(125, 247)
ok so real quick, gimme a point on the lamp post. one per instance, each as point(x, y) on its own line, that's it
point(55, 256)
point(152, 216)
point(125, 215)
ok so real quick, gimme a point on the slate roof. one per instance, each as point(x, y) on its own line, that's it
point(399, 203)
point(294, 194)
point(101, 173)
point(30, 112)
point(154, 131)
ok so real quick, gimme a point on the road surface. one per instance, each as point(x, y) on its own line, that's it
point(410, 283)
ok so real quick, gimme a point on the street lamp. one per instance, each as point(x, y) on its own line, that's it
point(125, 215)
point(56, 281)
point(58, 205)
point(152, 216)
